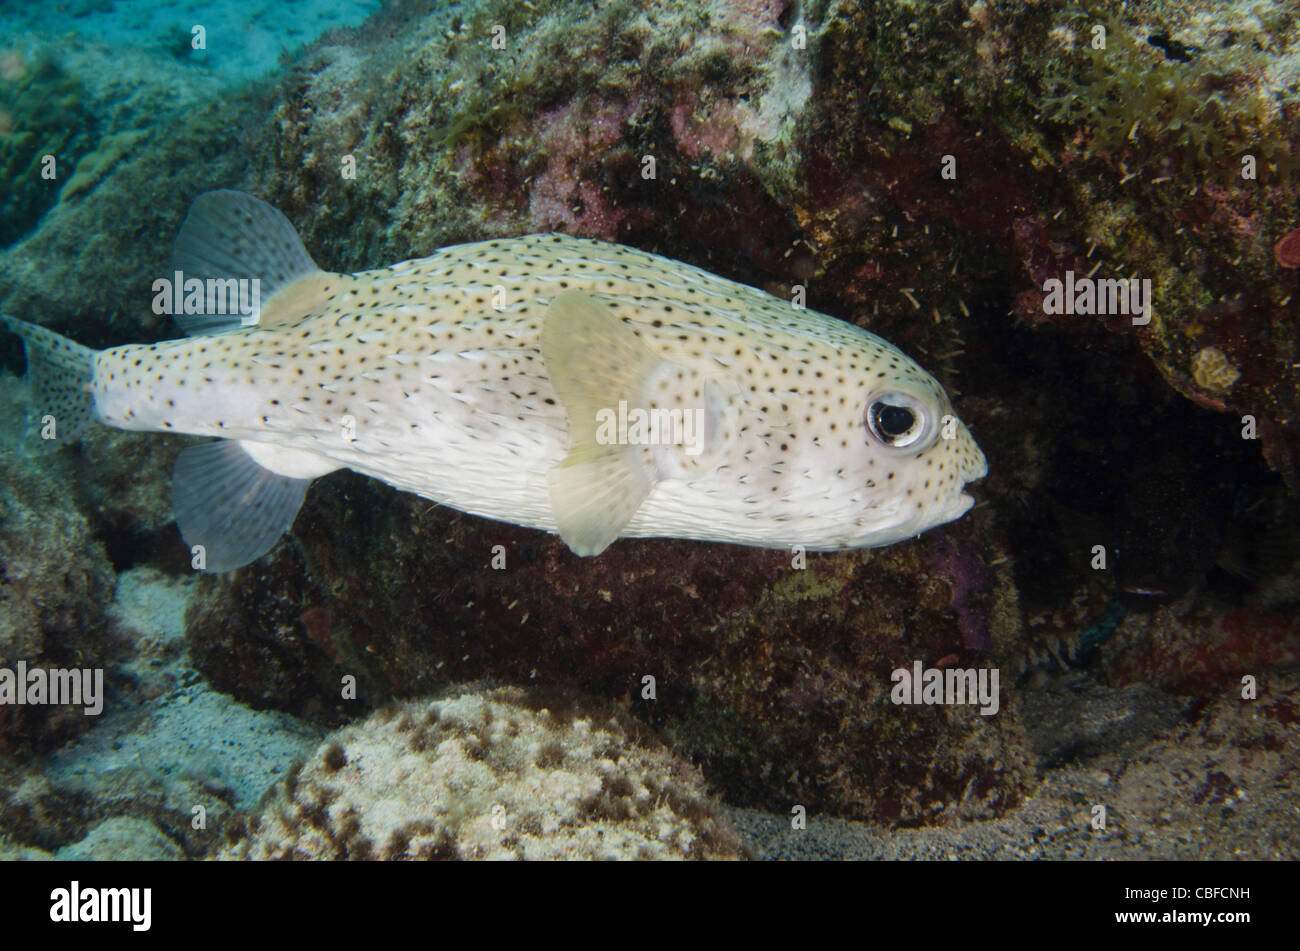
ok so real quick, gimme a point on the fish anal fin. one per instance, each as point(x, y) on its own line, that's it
point(231, 506)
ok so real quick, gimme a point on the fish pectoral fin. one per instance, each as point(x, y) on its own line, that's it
point(230, 237)
point(594, 361)
point(595, 494)
point(231, 506)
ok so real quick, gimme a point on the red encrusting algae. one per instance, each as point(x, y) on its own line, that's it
point(1287, 251)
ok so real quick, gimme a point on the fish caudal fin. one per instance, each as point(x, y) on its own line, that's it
point(228, 235)
point(230, 510)
point(60, 373)
point(594, 360)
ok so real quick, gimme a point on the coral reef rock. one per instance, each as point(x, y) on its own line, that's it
point(492, 774)
point(124, 838)
point(799, 659)
point(55, 580)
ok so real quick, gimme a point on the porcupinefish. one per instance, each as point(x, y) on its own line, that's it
point(570, 385)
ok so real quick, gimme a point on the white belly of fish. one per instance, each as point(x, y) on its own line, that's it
point(469, 451)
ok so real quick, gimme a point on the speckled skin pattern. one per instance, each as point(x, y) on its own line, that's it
point(430, 375)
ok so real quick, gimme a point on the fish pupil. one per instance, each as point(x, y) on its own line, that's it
point(894, 421)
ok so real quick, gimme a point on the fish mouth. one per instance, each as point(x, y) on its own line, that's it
point(962, 504)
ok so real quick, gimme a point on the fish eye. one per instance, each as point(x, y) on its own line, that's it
point(898, 420)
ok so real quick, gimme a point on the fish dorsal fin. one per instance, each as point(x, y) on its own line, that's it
point(233, 507)
point(226, 236)
point(594, 360)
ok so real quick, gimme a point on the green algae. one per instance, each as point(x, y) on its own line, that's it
point(45, 114)
point(1169, 105)
point(92, 168)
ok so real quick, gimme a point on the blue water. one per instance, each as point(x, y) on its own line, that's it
point(244, 38)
